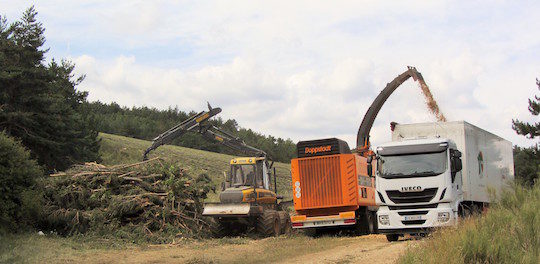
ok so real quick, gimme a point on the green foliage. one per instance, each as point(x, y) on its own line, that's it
point(152, 202)
point(39, 103)
point(527, 160)
point(526, 129)
point(147, 123)
point(19, 202)
point(527, 164)
point(508, 233)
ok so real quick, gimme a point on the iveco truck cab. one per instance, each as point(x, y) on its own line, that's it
point(433, 173)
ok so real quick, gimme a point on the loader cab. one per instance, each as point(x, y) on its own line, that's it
point(249, 172)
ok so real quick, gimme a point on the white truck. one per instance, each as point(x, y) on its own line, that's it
point(432, 173)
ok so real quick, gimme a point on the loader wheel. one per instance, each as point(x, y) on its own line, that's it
point(285, 220)
point(268, 224)
point(221, 229)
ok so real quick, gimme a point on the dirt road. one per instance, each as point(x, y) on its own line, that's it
point(296, 249)
point(372, 249)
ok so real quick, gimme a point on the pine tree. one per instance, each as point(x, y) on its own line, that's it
point(39, 103)
point(526, 129)
point(527, 160)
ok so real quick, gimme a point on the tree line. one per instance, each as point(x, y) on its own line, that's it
point(41, 107)
point(147, 123)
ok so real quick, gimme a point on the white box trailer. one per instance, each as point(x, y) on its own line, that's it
point(487, 159)
point(432, 173)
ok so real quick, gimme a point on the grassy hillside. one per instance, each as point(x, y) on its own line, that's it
point(118, 149)
point(508, 233)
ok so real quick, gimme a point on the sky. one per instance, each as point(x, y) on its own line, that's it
point(303, 69)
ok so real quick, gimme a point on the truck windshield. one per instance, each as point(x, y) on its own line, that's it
point(412, 165)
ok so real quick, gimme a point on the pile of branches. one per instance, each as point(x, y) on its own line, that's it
point(147, 201)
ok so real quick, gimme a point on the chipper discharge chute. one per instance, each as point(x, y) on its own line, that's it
point(334, 186)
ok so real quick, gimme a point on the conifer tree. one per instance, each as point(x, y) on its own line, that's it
point(39, 103)
point(526, 129)
point(527, 160)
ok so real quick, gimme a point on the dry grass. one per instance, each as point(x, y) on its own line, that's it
point(508, 233)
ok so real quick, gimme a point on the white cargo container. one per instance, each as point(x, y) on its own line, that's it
point(420, 183)
point(487, 158)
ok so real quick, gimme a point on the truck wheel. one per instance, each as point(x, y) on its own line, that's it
point(370, 222)
point(268, 224)
point(375, 222)
point(392, 237)
point(363, 225)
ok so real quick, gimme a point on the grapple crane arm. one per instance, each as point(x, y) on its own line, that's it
point(198, 123)
point(191, 124)
point(214, 133)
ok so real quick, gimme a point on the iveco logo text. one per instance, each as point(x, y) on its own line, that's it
point(411, 189)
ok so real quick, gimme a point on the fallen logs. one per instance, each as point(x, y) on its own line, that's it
point(150, 201)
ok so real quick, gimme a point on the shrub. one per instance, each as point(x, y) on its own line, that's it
point(508, 233)
point(19, 201)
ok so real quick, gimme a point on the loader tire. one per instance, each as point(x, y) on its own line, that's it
point(221, 229)
point(285, 220)
point(268, 224)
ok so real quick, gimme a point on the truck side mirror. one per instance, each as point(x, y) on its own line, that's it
point(459, 165)
point(369, 170)
point(455, 163)
point(455, 158)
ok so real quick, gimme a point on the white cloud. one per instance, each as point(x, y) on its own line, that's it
point(306, 69)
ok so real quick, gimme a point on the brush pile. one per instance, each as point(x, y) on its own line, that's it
point(147, 201)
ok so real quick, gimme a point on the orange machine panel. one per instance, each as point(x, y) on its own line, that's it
point(325, 182)
point(366, 184)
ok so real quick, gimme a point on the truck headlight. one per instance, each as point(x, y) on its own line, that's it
point(443, 217)
point(384, 220)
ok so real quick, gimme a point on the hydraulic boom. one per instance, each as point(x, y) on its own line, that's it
point(198, 123)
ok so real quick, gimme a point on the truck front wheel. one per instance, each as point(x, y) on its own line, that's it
point(392, 237)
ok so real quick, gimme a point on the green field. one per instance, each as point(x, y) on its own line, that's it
point(118, 149)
